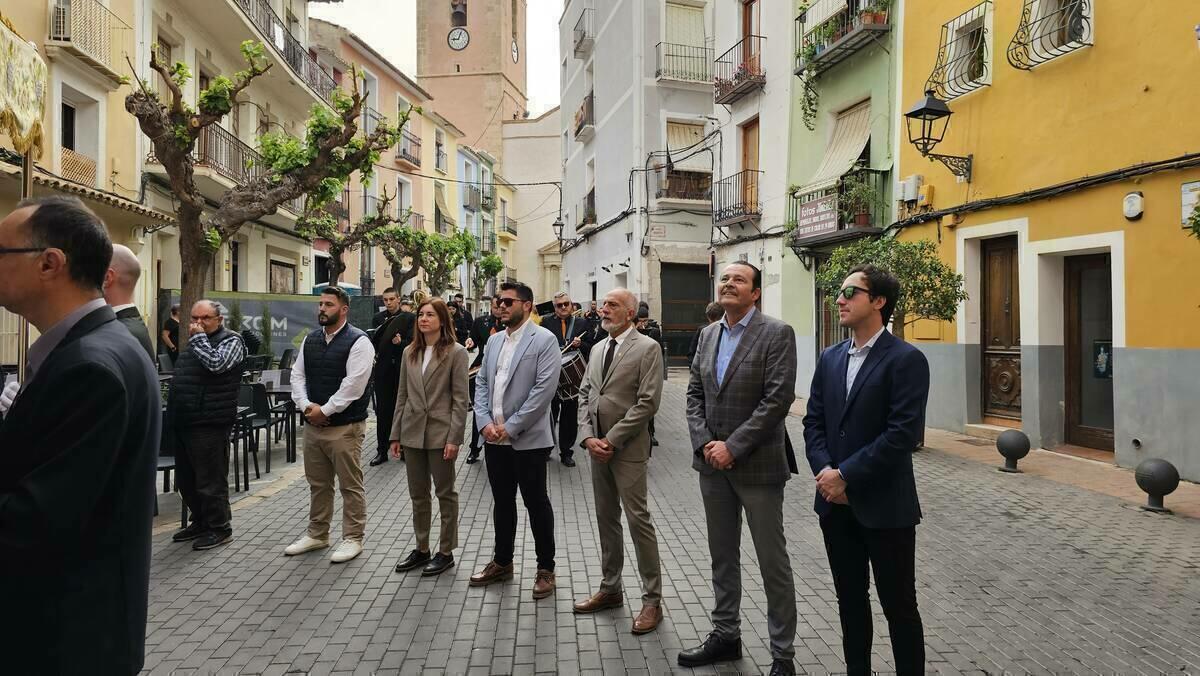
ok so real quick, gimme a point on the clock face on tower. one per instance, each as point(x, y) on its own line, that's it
point(516, 53)
point(458, 39)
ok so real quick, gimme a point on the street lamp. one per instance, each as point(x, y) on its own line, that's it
point(558, 230)
point(927, 122)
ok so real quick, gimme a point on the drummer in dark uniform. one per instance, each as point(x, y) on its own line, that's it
point(575, 337)
point(482, 328)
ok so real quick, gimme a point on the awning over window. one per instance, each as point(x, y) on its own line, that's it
point(851, 132)
point(439, 200)
point(681, 136)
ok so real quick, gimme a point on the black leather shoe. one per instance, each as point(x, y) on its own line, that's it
point(212, 539)
point(415, 559)
point(473, 457)
point(714, 649)
point(653, 441)
point(568, 461)
point(192, 532)
point(782, 668)
point(378, 460)
point(438, 565)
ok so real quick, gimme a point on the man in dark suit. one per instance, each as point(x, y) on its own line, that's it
point(483, 328)
point(574, 334)
point(393, 332)
point(119, 283)
point(80, 445)
point(743, 381)
point(864, 419)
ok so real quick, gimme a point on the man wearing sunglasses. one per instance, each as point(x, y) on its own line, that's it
point(865, 413)
point(573, 334)
point(80, 446)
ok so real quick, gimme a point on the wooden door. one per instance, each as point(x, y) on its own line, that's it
point(1001, 335)
point(1088, 351)
point(749, 187)
point(749, 56)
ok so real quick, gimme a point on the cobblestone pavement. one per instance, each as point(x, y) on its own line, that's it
point(1015, 574)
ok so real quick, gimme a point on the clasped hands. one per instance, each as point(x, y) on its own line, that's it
point(601, 450)
point(315, 416)
point(494, 432)
point(717, 454)
point(831, 486)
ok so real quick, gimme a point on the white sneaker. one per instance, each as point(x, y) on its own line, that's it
point(346, 550)
point(305, 544)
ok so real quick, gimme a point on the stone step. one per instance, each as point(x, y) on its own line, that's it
point(984, 431)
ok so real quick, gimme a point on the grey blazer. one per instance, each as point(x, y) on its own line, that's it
point(533, 380)
point(748, 409)
point(431, 407)
point(620, 407)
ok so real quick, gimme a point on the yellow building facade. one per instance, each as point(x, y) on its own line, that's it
point(1082, 324)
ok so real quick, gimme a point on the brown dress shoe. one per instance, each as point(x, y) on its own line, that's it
point(543, 585)
point(601, 600)
point(493, 572)
point(647, 620)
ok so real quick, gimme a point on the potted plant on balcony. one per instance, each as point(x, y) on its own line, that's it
point(856, 199)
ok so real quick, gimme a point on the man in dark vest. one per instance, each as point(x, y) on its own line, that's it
point(484, 326)
point(119, 284)
point(393, 333)
point(202, 408)
point(331, 385)
point(573, 333)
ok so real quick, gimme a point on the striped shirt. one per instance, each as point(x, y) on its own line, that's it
point(221, 358)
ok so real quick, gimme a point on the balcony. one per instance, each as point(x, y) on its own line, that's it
point(736, 199)
point(90, 32)
point(586, 212)
point(832, 31)
point(222, 161)
point(295, 55)
point(739, 71)
point(486, 242)
point(508, 229)
point(1047, 33)
point(441, 161)
point(585, 33)
point(416, 221)
point(856, 206)
point(510, 275)
point(472, 197)
point(685, 186)
point(487, 201)
point(585, 119)
point(370, 120)
point(372, 204)
point(684, 63)
point(78, 167)
point(409, 149)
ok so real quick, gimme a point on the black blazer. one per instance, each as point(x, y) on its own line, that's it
point(387, 353)
point(871, 434)
point(582, 330)
point(481, 330)
point(77, 469)
point(132, 320)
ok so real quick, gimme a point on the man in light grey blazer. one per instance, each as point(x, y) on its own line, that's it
point(513, 390)
point(619, 397)
point(743, 382)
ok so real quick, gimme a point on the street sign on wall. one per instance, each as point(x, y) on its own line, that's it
point(816, 217)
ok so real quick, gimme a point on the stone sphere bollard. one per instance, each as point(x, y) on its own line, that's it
point(1013, 445)
point(1158, 478)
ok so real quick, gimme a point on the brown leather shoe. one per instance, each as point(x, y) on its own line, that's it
point(601, 600)
point(647, 620)
point(493, 572)
point(543, 585)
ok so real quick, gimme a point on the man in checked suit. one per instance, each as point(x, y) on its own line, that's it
point(743, 382)
point(619, 396)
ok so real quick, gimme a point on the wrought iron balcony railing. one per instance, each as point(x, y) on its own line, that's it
point(409, 148)
point(736, 198)
point(372, 204)
point(91, 31)
point(440, 158)
point(486, 242)
point(684, 185)
point(295, 54)
point(487, 200)
point(585, 32)
point(509, 226)
point(1049, 30)
point(831, 31)
point(586, 213)
point(510, 274)
point(858, 201)
point(963, 60)
point(585, 118)
point(415, 221)
point(740, 70)
point(472, 197)
point(684, 63)
point(370, 120)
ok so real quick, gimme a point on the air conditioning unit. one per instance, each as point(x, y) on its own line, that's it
point(909, 187)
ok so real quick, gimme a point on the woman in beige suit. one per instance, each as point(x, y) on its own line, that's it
point(431, 417)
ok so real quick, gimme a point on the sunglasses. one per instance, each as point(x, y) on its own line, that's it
point(848, 292)
point(507, 302)
point(562, 305)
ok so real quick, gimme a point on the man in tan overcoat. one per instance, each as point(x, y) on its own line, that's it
point(618, 399)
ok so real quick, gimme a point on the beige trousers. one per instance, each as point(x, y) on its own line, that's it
point(331, 452)
point(618, 484)
point(421, 464)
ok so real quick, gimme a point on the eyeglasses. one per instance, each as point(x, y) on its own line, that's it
point(27, 249)
point(848, 292)
point(200, 319)
point(507, 302)
point(562, 305)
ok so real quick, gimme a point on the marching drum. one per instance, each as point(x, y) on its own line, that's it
point(571, 378)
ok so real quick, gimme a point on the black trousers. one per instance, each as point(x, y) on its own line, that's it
point(565, 412)
point(509, 470)
point(385, 410)
point(891, 554)
point(202, 474)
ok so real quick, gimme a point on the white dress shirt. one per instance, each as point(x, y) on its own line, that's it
point(428, 358)
point(619, 340)
point(358, 376)
point(503, 361)
point(858, 355)
point(118, 308)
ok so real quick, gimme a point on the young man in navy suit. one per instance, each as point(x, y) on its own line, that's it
point(865, 412)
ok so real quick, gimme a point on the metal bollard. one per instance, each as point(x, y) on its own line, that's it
point(1013, 445)
point(1158, 478)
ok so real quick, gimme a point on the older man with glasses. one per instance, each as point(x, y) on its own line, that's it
point(202, 408)
point(573, 333)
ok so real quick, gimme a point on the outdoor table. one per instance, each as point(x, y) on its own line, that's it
point(284, 392)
